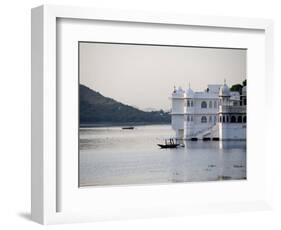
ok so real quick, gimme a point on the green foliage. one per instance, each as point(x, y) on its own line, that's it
point(238, 87)
point(95, 108)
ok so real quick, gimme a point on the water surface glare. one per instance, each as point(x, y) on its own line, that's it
point(112, 156)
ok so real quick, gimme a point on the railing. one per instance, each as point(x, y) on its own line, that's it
point(232, 109)
point(202, 131)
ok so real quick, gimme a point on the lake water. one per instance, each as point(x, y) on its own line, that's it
point(112, 156)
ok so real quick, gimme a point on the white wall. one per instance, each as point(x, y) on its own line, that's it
point(232, 131)
point(196, 125)
point(15, 113)
point(178, 108)
point(177, 122)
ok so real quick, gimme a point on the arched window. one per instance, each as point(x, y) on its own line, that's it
point(203, 104)
point(203, 119)
point(188, 103)
point(233, 119)
point(244, 119)
point(210, 104)
point(223, 119)
point(227, 119)
point(188, 118)
point(215, 104)
point(191, 118)
point(220, 119)
point(239, 120)
point(191, 103)
point(210, 119)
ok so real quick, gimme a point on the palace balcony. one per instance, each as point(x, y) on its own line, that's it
point(232, 109)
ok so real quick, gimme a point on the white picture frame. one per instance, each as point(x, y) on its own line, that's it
point(47, 176)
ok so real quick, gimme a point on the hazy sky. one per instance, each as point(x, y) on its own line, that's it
point(144, 76)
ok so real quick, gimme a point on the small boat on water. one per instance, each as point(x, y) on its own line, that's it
point(169, 143)
point(128, 127)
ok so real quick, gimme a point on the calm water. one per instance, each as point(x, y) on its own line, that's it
point(112, 156)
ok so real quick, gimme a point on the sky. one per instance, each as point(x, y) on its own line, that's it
point(144, 76)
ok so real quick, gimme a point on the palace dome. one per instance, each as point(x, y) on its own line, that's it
point(224, 91)
point(189, 92)
point(178, 92)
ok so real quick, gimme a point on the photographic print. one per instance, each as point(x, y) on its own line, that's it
point(151, 114)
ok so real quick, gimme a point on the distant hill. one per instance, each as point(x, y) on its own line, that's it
point(97, 109)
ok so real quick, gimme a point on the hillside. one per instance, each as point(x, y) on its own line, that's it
point(97, 109)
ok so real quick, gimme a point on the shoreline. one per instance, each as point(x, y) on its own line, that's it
point(134, 124)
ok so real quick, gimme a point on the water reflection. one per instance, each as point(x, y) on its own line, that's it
point(112, 156)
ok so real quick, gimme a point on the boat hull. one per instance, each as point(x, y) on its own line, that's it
point(172, 146)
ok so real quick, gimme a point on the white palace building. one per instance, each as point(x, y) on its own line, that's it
point(214, 114)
